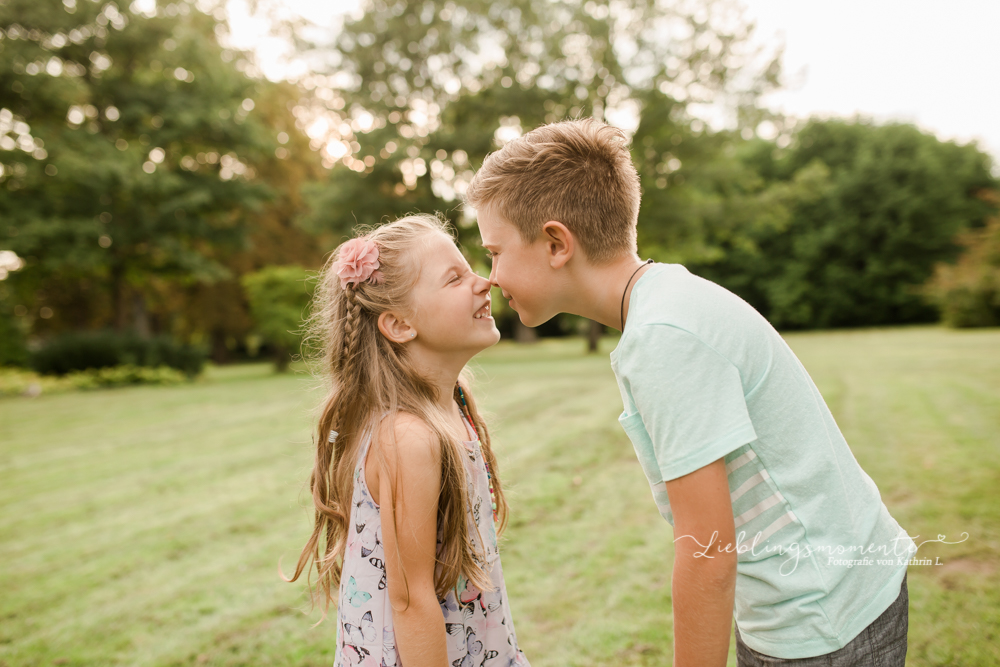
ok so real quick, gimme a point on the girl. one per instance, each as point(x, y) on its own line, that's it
point(405, 485)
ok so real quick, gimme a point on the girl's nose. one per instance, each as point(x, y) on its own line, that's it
point(483, 284)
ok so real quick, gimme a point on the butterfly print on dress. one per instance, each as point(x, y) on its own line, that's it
point(477, 623)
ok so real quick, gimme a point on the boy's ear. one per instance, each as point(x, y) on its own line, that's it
point(559, 242)
point(394, 328)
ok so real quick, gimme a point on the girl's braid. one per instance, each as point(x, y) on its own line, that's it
point(330, 515)
point(352, 335)
point(352, 324)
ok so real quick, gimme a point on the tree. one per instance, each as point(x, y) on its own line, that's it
point(864, 213)
point(219, 310)
point(279, 297)
point(968, 291)
point(13, 350)
point(416, 95)
point(135, 159)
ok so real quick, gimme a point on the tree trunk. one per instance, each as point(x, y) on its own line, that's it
point(594, 335)
point(220, 352)
point(523, 334)
point(140, 316)
point(120, 290)
point(282, 358)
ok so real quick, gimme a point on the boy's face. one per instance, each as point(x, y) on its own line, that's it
point(520, 270)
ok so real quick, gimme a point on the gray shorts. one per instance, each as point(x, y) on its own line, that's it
point(881, 644)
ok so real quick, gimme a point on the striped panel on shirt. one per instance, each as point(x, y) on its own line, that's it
point(759, 509)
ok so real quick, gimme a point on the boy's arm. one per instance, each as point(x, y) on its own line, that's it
point(412, 477)
point(704, 577)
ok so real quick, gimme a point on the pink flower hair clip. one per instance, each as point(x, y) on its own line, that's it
point(358, 262)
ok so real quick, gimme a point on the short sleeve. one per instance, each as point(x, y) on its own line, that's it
point(689, 397)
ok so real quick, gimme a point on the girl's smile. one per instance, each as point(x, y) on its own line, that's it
point(484, 312)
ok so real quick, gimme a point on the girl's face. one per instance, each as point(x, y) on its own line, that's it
point(451, 303)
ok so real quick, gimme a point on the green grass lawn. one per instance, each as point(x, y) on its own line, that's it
point(144, 526)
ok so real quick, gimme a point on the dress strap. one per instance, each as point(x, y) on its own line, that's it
point(470, 428)
point(367, 436)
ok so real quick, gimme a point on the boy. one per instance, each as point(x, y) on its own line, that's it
point(770, 509)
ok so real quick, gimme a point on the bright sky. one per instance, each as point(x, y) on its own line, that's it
point(935, 64)
point(932, 63)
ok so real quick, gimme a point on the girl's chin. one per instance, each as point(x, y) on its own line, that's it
point(487, 338)
point(477, 339)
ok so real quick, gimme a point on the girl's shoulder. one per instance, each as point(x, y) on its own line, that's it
point(403, 425)
point(407, 436)
point(403, 447)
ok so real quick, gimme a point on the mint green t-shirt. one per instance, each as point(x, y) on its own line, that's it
point(704, 376)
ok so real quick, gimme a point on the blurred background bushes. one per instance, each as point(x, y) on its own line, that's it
point(855, 218)
point(968, 291)
point(279, 302)
point(86, 350)
point(150, 175)
point(21, 382)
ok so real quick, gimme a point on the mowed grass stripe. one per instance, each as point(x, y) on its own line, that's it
point(150, 514)
point(143, 526)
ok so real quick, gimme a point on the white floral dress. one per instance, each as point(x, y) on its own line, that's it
point(480, 632)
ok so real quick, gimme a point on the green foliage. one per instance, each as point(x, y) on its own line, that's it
point(698, 197)
point(77, 351)
point(18, 382)
point(120, 376)
point(13, 350)
point(135, 155)
point(853, 218)
point(22, 382)
point(279, 297)
point(143, 170)
point(423, 92)
point(968, 291)
point(219, 310)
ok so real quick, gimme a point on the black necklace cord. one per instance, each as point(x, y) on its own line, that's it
point(621, 312)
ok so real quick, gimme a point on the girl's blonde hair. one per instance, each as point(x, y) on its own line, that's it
point(370, 375)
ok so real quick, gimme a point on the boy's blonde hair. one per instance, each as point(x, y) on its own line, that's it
point(577, 172)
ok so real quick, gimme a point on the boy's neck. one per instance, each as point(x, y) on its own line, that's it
point(596, 291)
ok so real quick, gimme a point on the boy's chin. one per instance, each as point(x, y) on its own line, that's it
point(532, 320)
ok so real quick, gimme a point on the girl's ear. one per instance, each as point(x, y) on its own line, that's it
point(395, 328)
